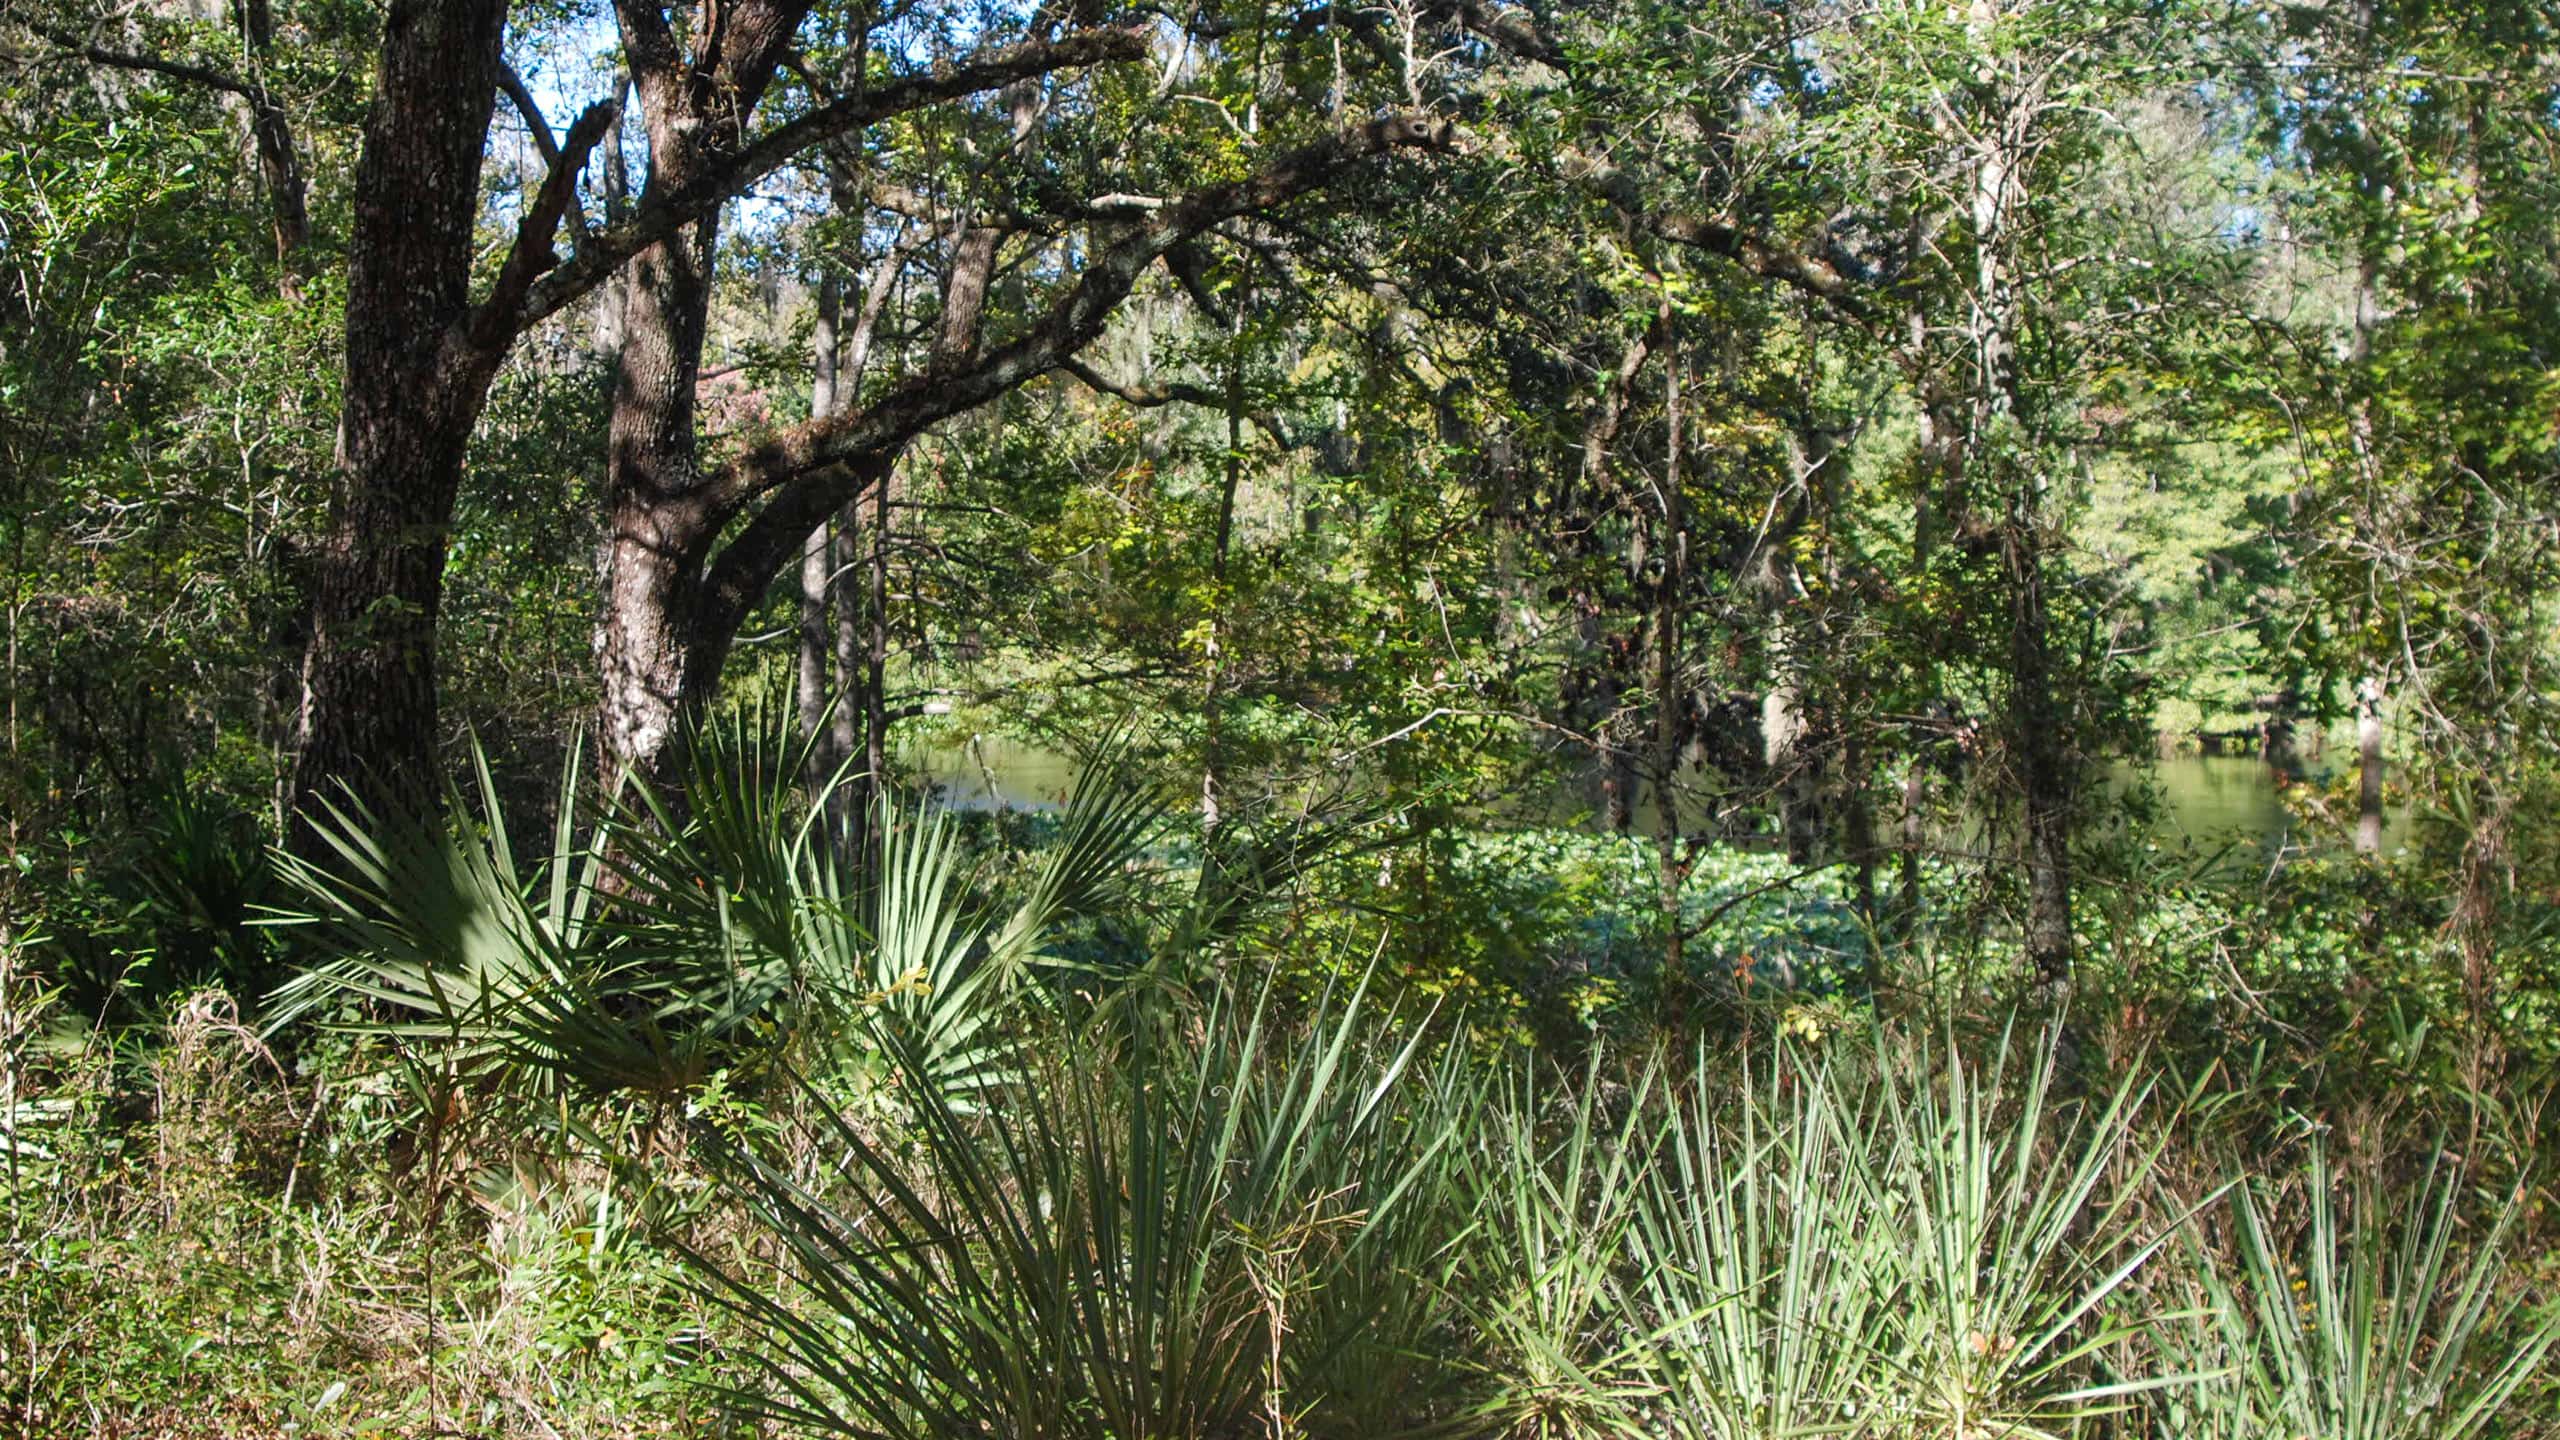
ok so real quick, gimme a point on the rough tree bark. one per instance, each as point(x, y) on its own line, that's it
point(1213, 699)
point(369, 712)
point(1670, 735)
point(2036, 730)
point(696, 108)
point(2369, 766)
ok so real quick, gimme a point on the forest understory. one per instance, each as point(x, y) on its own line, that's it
point(1704, 719)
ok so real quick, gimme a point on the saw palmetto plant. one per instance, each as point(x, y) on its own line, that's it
point(1765, 1271)
point(655, 943)
point(1156, 1233)
point(2352, 1313)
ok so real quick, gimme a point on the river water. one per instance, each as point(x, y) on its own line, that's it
point(2205, 800)
point(2211, 800)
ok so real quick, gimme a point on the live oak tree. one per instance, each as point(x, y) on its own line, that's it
point(697, 540)
point(422, 347)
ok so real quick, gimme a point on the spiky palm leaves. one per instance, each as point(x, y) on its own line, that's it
point(660, 940)
point(1159, 1236)
point(1907, 1243)
point(2352, 1313)
point(1161, 1222)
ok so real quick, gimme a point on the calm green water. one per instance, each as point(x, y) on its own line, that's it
point(993, 773)
point(2208, 800)
point(2212, 799)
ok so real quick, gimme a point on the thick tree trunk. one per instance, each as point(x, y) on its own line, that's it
point(369, 679)
point(1621, 661)
point(657, 659)
point(647, 642)
point(659, 524)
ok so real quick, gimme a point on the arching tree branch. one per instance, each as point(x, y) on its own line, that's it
point(662, 217)
point(1177, 392)
point(1075, 319)
point(531, 113)
point(812, 470)
point(492, 324)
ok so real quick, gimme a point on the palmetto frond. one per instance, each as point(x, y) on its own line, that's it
point(667, 936)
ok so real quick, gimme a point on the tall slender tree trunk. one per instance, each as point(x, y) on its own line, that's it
point(2036, 733)
point(848, 582)
point(817, 559)
point(1939, 471)
point(1213, 700)
point(2369, 765)
point(1213, 691)
point(875, 673)
point(271, 134)
point(861, 727)
point(1618, 663)
point(2036, 729)
point(846, 358)
point(369, 717)
point(1619, 656)
point(2369, 689)
point(1670, 707)
point(1793, 744)
point(1914, 837)
point(1858, 823)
